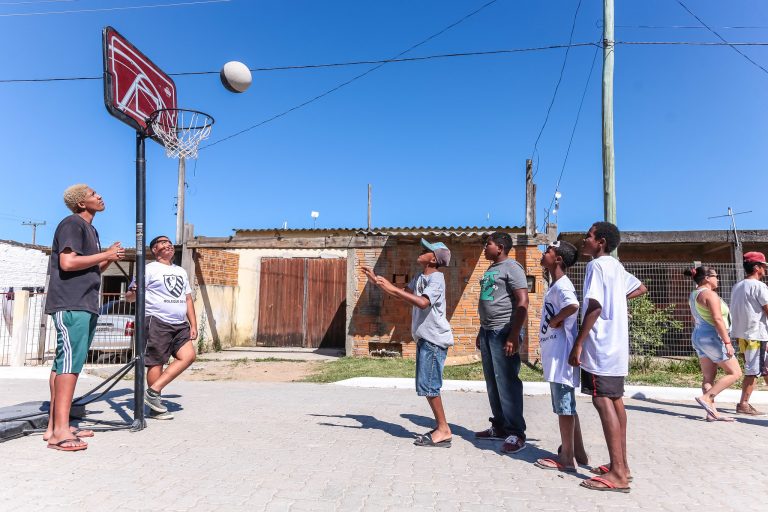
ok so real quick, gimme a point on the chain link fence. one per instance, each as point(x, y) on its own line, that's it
point(112, 343)
point(668, 291)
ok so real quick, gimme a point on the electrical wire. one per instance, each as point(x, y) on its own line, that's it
point(353, 79)
point(722, 38)
point(331, 65)
point(557, 86)
point(400, 60)
point(570, 142)
point(109, 9)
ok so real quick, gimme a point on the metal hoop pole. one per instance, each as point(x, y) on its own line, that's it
point(139, 423)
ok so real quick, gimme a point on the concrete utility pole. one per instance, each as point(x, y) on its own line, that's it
point(180, 202)
point(34, 228)
point(370, 191)
point(609, 171)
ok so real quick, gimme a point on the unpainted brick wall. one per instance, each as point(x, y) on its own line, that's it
point(380, 320)
point(215, 267)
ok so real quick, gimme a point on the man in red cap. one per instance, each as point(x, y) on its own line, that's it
point(749, 314)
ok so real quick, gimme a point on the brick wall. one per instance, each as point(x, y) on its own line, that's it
point(215, 267)
point(380, 321)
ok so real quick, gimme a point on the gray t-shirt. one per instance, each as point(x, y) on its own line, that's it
point(430, 324)
point(748, 318)
point(497, 300)
point(74, 290)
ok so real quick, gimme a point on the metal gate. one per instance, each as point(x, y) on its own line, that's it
point(302, 302)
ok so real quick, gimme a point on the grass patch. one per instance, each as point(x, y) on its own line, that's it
point(643, 371)
point(350, 367)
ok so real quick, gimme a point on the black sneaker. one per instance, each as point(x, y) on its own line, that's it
point(490, 433)
point(167, 415)
point(154, 402)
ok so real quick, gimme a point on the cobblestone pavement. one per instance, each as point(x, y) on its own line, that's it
point(296, 447)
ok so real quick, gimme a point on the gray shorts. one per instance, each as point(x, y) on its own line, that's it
point(163, 340)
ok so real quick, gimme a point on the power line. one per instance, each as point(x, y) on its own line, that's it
point(570, 142)
point(721, 37)
point(106, 9)
point(399, 60)
point(361, 75)
point(331, 65)
point(557, 86)
point(699, 27)
point(37, 2)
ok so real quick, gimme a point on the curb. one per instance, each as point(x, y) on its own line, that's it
point(542, 388)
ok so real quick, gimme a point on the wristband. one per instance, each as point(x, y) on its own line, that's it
point(727, 342)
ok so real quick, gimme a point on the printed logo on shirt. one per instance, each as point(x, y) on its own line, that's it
point(174, 284)
point(487, 285)
point(549, 312)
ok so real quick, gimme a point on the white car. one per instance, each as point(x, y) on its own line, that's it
point(113, 339)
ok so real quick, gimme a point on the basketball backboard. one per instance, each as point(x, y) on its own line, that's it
point(134, 87)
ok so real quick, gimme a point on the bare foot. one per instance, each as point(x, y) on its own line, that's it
point(75, 431)
point(441, 435)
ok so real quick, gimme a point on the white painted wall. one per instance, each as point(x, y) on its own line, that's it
point(22, 266)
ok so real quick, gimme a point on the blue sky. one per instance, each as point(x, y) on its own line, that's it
point(443, 142)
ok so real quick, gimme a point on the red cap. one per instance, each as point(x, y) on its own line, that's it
point(754, 257)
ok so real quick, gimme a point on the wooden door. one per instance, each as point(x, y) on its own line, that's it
point(281, 302)
point(302, 302)
point(326, 306)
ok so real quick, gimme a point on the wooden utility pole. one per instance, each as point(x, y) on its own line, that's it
point(34, 228)
point(609, 171)
point(530, 200)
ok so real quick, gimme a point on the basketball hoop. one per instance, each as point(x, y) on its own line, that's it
point(179, 130)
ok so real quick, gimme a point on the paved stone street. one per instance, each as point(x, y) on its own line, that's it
point(280, 447)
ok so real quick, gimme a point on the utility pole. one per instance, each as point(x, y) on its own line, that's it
point(180, 202)
point(34, 228)
point(609, 171)
point(370, 191)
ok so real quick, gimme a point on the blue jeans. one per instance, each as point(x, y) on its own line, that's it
point(430, 360)
point(502, 379)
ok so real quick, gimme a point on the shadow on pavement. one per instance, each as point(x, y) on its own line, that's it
point(530, 454)
point(368, 422)
point(121, 403)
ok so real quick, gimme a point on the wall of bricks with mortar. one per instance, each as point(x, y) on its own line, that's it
point(215, 267)
point(380, 321)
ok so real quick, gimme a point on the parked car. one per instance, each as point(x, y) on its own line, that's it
point(114, 331)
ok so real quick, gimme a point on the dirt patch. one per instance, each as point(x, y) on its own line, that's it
point(258, 371)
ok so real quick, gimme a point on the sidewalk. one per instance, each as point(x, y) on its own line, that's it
point(278, 447)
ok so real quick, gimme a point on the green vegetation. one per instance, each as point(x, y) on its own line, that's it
point(643, 370)
point(648, 324)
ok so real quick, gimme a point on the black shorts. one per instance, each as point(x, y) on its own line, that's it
point(601, 385)
point(163, 340)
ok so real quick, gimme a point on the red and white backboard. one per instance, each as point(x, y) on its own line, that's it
point(134, 87)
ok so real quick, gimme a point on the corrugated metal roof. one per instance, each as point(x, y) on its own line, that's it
point(457, 231)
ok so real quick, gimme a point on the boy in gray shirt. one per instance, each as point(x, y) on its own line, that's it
point(431, 331)
point(503, 309)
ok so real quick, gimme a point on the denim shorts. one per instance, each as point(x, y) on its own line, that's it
point(709, 346)
point(563, 399)
point(430, 360)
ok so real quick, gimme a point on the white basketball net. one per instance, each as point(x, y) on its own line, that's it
point(180, 131)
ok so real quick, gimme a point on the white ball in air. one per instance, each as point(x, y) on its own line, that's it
point(235, 76)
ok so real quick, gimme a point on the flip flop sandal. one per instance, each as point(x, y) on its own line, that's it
point(60, 445)
point(426, 440)
point(607, 485)
point(601, 470)
point(727, 419)
point(710, 410)
point(553, 465)
point(82, 432)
